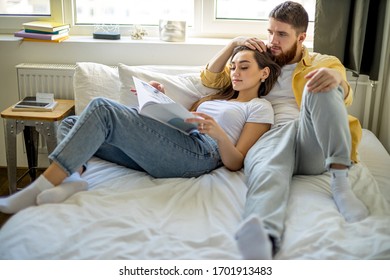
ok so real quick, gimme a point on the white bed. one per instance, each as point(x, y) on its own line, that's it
point(129, 215)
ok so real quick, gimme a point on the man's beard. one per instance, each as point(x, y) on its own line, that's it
point(284, 58)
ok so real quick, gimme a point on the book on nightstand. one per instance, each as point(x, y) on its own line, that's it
point(31, 104)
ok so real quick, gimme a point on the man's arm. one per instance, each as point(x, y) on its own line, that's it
point(218, 62)
point(216, 74)
point(325, 79)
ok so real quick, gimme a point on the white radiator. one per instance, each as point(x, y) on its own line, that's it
point(47, 78)
point(364, 96)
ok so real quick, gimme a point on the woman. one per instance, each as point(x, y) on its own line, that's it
point(229, 123)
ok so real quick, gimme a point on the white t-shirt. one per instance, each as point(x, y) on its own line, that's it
point(232, 115)
point(282, 97)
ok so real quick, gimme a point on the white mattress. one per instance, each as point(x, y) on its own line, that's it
point(129, 215)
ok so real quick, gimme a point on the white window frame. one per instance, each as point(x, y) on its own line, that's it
point(212, 27)
point(226, 28)
point(14, 23)
point(205, 25)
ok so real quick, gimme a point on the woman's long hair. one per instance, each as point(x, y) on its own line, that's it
point(263, 59)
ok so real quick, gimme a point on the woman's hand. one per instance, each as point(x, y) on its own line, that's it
point(157, 86)
point(232, 155)
point(207, 125)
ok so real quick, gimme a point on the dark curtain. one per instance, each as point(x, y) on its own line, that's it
point(351, 30)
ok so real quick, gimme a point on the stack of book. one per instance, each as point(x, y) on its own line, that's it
point(44, 31)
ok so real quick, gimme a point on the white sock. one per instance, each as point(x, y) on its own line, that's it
point(252, 240)
point(352, 209)
point(26, 197)
point(60, 193)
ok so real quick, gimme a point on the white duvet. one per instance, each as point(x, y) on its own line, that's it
point(129, 215)
point(315, 230)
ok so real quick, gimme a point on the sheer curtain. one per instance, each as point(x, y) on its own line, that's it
point(357, 32)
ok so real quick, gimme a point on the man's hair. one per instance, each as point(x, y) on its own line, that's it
point(291, 13)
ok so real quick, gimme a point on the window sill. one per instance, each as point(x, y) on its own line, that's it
point(146, 40)
point(128, 40)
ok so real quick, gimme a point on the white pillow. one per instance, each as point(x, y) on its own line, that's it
point(181, 83)
point(94, 80)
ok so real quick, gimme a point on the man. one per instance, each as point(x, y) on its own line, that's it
point(311, 133)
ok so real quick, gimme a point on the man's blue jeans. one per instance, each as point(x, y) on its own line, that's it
point(306, 146)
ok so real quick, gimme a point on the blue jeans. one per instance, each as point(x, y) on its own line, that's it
point(117, 133)
point(306, 146)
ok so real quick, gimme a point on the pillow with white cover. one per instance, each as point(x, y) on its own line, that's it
point(94, 80)
point(181, 83)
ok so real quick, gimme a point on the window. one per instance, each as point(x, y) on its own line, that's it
point(205, 18)
point(232, 17)
point(13, 13)
point(132, 11)
point(235, 10)
point(25, 8)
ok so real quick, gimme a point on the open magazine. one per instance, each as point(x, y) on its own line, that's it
point(156, 105)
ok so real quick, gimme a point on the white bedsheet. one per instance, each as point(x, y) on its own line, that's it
point(129, 215)
point(315, 230)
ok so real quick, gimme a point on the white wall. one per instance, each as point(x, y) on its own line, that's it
point(148, 51)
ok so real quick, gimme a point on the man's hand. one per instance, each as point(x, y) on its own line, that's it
point(252, 43)
point(323, 80)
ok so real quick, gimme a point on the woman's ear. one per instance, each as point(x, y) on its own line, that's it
point(265, 73)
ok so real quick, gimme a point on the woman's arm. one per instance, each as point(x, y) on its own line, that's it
point(232, 156)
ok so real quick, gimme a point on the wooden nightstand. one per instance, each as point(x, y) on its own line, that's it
point(44, 124)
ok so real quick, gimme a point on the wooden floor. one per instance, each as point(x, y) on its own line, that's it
point(4, 191)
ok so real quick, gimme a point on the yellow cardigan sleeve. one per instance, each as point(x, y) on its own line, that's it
point(313, 61)
point(219, 80)
point(356, 135)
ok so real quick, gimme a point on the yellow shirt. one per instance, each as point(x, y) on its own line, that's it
point(308, 63)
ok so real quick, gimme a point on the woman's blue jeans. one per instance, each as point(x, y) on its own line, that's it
point(117, 133)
